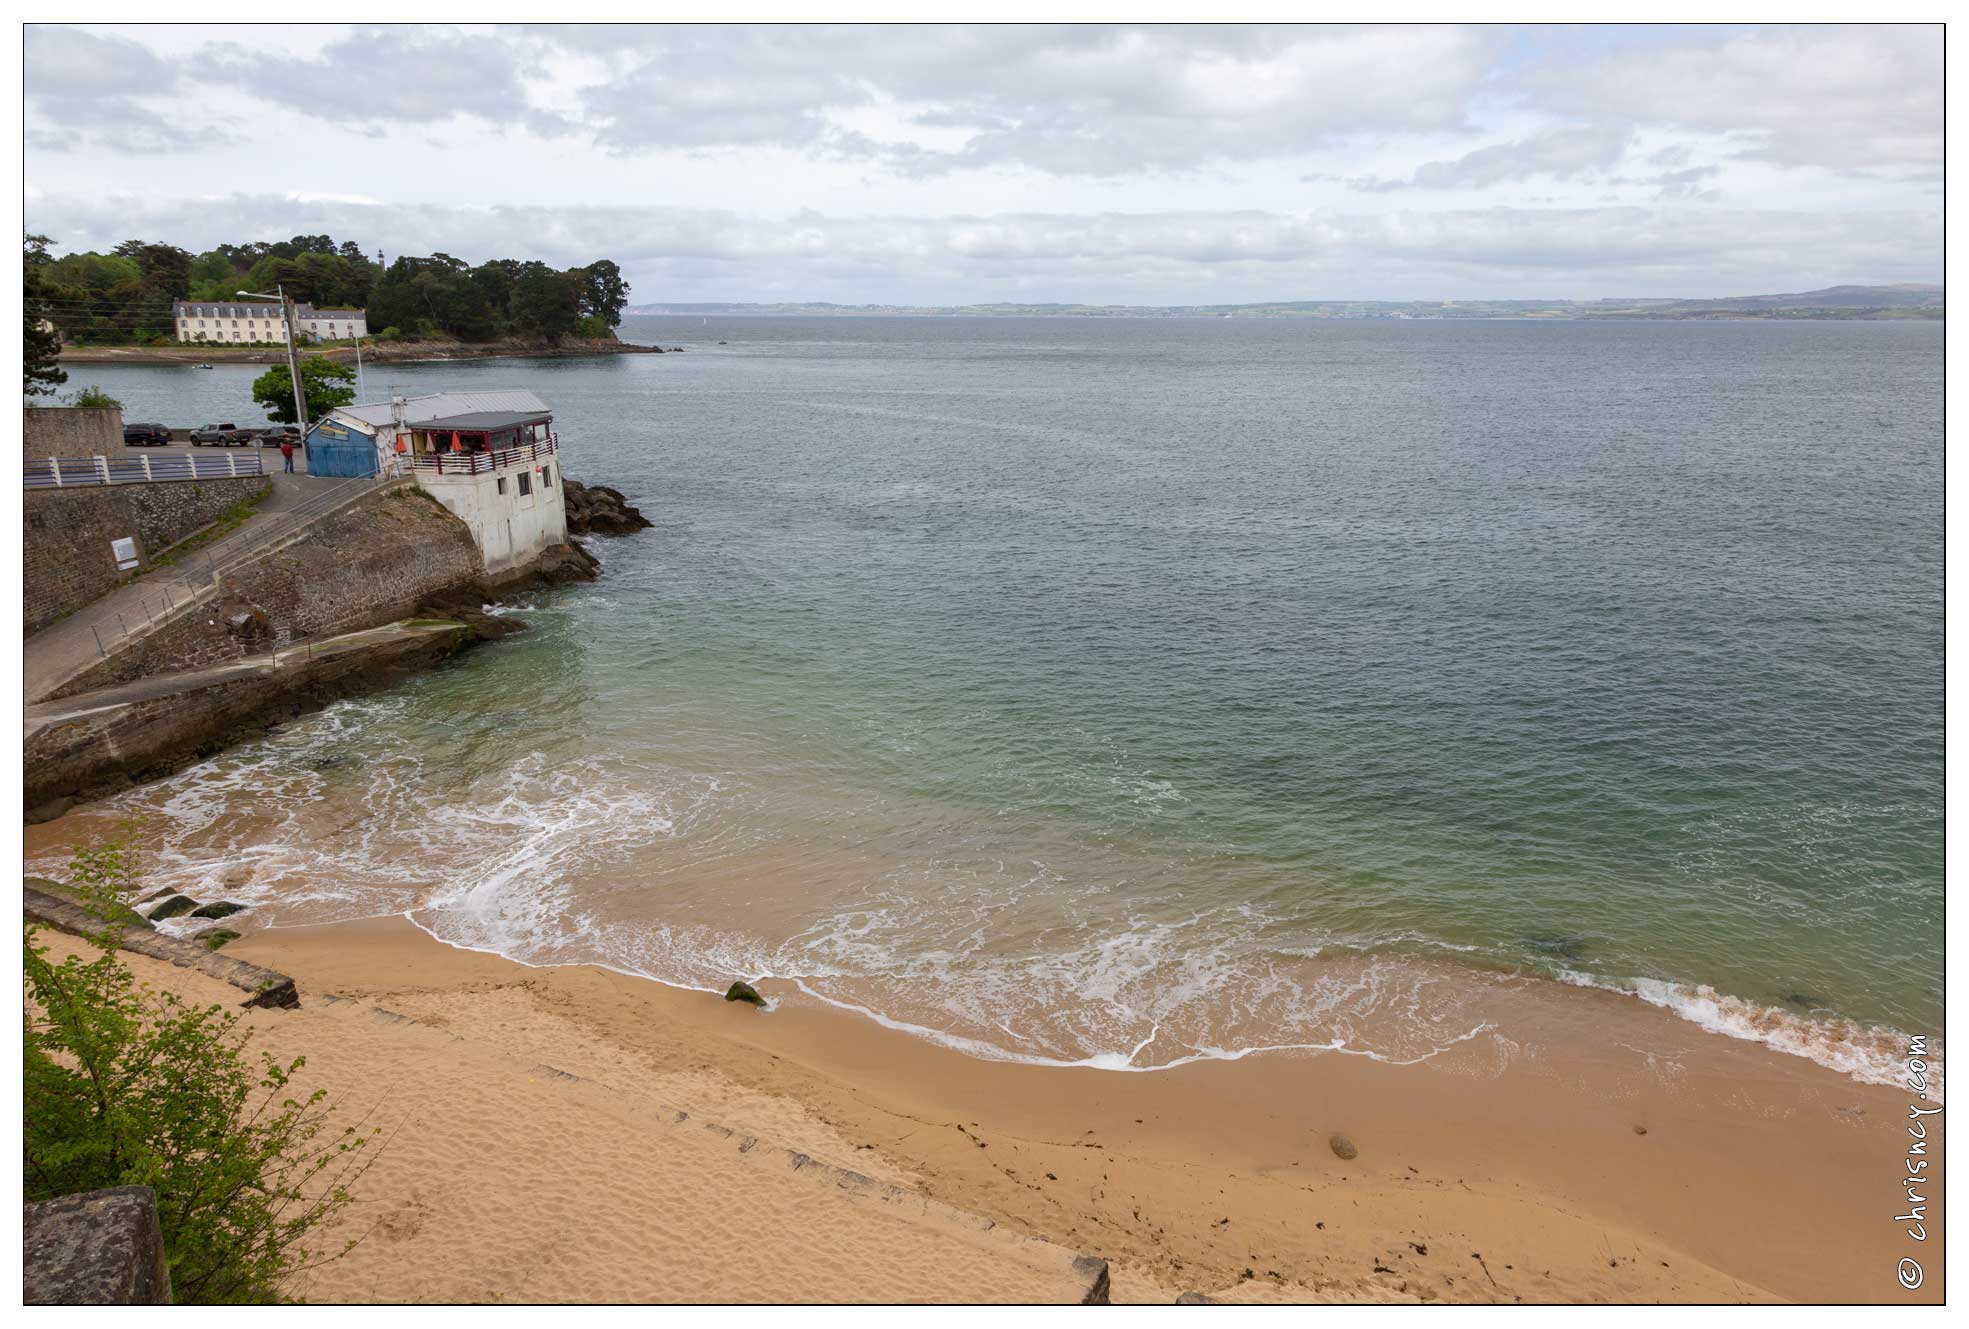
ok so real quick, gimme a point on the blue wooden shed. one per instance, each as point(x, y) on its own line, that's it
point(337, 447)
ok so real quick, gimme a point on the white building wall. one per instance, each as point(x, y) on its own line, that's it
point(228, 330)
point(512, 529)
point(265, 325)
point(339, 327)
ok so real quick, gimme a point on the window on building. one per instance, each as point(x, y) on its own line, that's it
point(546, 477)
point(502, 484)
point(526, 484)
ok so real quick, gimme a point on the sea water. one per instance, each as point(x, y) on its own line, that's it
point(1123, 692)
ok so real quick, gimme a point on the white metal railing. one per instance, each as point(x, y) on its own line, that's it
point(481, 463)
point(69, 472)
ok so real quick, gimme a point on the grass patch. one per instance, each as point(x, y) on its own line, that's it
point(432, 623)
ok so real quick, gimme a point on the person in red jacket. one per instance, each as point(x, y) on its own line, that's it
point(287, 453)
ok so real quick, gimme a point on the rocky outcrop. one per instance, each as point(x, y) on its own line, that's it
point(600, 510)
point(745, 992)
point(98, 1248)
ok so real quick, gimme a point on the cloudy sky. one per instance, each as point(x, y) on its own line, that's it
point(948, 165)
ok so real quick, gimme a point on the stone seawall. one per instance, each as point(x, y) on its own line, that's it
point(373, 562)
point(67, 533)
point(97, 754)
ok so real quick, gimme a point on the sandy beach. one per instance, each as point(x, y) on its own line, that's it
point(573, 1134)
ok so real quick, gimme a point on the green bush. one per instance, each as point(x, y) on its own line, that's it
point(125, 1086)
point(95, 399)
point(389, 334)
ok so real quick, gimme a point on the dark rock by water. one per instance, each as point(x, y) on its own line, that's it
point(171, 908)
point(217, 909)
point(599, 510)
point(745, 992)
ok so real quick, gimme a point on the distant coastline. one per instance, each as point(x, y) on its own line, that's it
point(1840, 303)
point(372, 352)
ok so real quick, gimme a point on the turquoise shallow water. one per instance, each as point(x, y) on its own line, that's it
point(1055, 685)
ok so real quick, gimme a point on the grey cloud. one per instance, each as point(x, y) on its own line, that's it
point(417, 76)
point(1559, 153)
point(1079, 100)
point(1687, 183)
point(85, 89)
point(1859, 98)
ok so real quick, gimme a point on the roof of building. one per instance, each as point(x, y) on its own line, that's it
point(252, 309)
point(420, 412)
point(485, 420)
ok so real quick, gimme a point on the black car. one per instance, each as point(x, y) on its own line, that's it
point(146, 436)
point(223, 436)
point(275, 435)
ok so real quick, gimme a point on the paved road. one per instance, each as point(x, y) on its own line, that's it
point(62, 650)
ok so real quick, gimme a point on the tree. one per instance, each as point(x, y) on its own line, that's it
point(546, 303)
point(603, 292)
point(124, 1086)
point(41, 341)
point(324, 383)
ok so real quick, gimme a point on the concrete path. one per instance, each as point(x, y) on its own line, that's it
point(62, 650)
point(42, 714)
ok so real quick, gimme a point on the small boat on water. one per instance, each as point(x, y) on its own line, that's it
point(201, 366)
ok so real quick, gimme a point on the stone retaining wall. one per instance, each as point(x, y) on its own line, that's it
point(67, 534)
point(70, 431)
point(373, 562)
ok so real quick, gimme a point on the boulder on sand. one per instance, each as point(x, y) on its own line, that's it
point(745, 992)
point(1342, 1147)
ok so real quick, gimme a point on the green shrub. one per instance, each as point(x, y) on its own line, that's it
point(95, 399)
point(125, 1086)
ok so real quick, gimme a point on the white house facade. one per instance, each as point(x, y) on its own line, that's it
point(259, 321)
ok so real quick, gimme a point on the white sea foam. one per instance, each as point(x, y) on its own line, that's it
point(346, 816)
point(1871, 1054)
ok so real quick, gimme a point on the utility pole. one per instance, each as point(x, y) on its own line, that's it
point(293, 358)
point(293, 361)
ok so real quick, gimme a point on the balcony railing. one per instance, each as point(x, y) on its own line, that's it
point(482, 463)
point(70, 472)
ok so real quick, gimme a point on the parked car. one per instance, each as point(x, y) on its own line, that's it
point(145, 436)
point(275, 435)
point(221, 436)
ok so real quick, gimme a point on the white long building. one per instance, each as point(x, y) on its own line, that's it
point(491, 458)
point(259, 321)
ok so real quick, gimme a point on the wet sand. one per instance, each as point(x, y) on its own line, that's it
point(1557, 1164)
